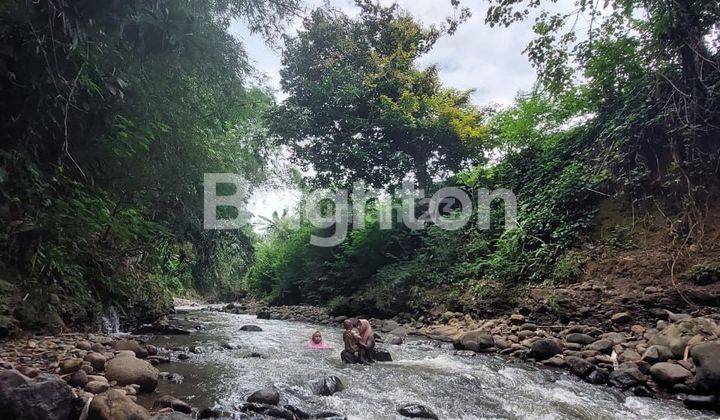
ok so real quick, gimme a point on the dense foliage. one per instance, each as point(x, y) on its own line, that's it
point(111, 113)
point(627, 108)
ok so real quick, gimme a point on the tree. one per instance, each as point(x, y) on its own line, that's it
point(359, 109)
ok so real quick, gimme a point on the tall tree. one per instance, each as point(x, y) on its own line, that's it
point(360, 109)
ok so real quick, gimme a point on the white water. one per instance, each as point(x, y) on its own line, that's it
point(453, 386)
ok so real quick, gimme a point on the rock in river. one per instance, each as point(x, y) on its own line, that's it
point(127, 370)
point(416, 411)
point(133, 346)
point(254, 328)
point(168, 401)
point(115, 405)
point(669, 374)
point(707, 366)
point(268, 396)
point(327, 386)
point(43, 397)
point(544, 348)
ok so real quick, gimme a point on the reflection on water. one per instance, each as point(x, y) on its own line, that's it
point(480, 387)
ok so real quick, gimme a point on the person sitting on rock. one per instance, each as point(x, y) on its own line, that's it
point(367, 341)
point(351, 338)
point(316, 342)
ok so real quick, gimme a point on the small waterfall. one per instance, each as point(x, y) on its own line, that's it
point(110, 322)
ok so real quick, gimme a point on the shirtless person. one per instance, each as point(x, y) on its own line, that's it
point(351, 338)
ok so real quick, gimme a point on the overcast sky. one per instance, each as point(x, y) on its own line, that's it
point(489, 60)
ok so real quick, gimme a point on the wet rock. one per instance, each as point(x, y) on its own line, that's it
point(669, 374)
point(544, 349)
point(380, 354)
point(326, 386)
point(627, 375)
point(676, 336)
point(707, 366)
point(128, 370)
point(268, 396)
point(131, 345)
point(269, 410)
point(182, 356)
point(416, 411)
point(620, 318)
point(642, 391)
point(84, 345)
point(115, 405)
point(597, 377)
point(389, 325)
point(474, 340)
point(395, 340)
point(78, 379)
point(702, 402)
point(162, 327)
point(97, 387)
point(579, 338)
point(45, 397)
point(168, 401)
point(70, 365)
point(399, 332)
point(555, 361)
point(603, 346)
point(655, 354)
point(96, 360)
point(579, 366)
point(253, 328)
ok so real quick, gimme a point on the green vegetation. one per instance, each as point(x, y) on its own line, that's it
point(113, 111)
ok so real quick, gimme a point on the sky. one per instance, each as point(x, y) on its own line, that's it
point(488, 60)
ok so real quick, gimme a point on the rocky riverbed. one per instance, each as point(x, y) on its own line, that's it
point(675, 358)
point(98, 376)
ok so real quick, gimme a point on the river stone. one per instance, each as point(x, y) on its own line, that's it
point(115, 405)
point(517, 319)
point(395, 340)
point(597, 377)
point(655, 354)
point(380, 354)
point(84, 345)
point(676, 336)
point(168, 401)
point(620, 318)
point(474, 340)
point(399, 332)
point(702, 402)
point(326, 386)
point(389, 325)
point(268, 396)
point(70, 365)
point(78, 379)
point(133, 346)
point(127, 370)
point(579, 366)
point(96, 360)
point(173, 415)
point(707, 366)
point(45, 397)
point(579, 338)
point(416, 411)
point(253, 328)
point(268, 410)
point(669, 374)
point(544, 349)
point(603, 346)
point(97, 387)
point(627, 375)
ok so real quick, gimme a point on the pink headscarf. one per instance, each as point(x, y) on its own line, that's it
point(322, 345)
point(365, 330)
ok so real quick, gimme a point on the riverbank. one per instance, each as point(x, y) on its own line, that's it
point(673, 357)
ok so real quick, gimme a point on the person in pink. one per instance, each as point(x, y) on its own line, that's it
point(316, 342)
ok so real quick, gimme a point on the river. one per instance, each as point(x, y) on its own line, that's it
point(453, 386)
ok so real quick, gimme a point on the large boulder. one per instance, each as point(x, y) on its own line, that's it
point(133, 346)
point(655, 354)
point(127, 370)
point(707, 366)
point(380, 354)
point(416, 411)
point(326, 386)
point(677, 335)
point(268, 396)
point(45, 397)
point(476, 340)
point(544, 349)
point(669, 374)
point(115, 405)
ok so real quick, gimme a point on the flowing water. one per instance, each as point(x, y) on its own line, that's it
point(453, 386)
